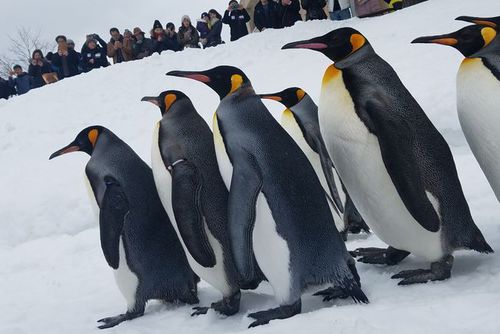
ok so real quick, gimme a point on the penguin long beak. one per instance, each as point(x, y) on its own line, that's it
point(447, 39)
point(67, 149)
point(151, 99)
point(316, 44)
point(271, 97)
point(198, 76)
point(482, 21)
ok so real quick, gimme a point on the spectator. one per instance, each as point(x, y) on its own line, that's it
point(236, 17)
point(38, 67)
point(203, 27)
point(289, 12)
point(314, 9)
point(22, 81)
point(339, 9)
point(5, 90)
point(95, 56)
point(266, 15)
point(115, 46)
point(128, 43)
point(171, 41)
point(66, 59)
point(214, 36)
point(394, 4)
point(157, 36)
point(188, 35)
point(143, 47)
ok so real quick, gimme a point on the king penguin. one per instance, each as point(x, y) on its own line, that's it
point(405, 185)
point(192, 191)
point(300, 120)
point(277, 206)
point(137, 238)
point(478, 92)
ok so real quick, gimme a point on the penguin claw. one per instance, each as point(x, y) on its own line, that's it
point(332, 293)
point(200, 310)
point(282, 312)
point(410, 273)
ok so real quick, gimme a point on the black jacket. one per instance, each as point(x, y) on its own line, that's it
point(5, 89)
point(289, 14)
point(99, 57)
point(237, 20)
point(36, 72)
point(171, 43)
point(214, 36)
point(67, 65)
point(188, 37)
point(143, 48)
point(267, 17)
point(314, 9)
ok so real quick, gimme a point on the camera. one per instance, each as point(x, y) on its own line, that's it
point(235, 5)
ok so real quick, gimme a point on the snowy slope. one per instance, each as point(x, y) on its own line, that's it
point(53, 277)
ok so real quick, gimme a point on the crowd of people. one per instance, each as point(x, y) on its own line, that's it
point(133, 44)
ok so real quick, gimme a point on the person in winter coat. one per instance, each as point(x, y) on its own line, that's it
point(21, 82)
point(214, 35)
point(266, 15)
point(314, 9)
point(171, 41)
point(38, 67)
point(339, 9)
point(188, 35)
point(5, 90)
point(203, 27)
point(96, 55)
point(115, 46)
point(236, 17)
point(143, 47)
point(289, 12)
point(66, 59)
point(128, 43)
point(157, 36)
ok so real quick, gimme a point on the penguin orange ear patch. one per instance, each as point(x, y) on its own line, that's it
point(357, 41)
point(93, 134)
point(300, 94)
point(169, 100)
point(236, 81)
point(488, 35)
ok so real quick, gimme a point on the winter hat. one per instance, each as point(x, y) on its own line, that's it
point(157, 24)
point(186, 17)
point(204, 14)
point(170, 26)
point(138, 30)
point(61, 37)
point(126, 31)
point(232, 1)
point(70, 41)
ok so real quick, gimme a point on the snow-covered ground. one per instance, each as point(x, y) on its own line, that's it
point(53, 277)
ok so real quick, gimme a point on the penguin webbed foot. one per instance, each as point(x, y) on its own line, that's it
point(372, 255)
point(200, 310)
point(282, 312)
point(332, 293)
point(439, 271)
point(227, 306)
point(116, 320)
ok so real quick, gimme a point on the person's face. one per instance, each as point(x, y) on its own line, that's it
point(37, 56)
point(138, 36)
point(158, 30)
point(18, 70)
point(212, 15)
point(264, 2)
point(127, 34)
point(61, 42)
point(92, 45)
point(71, 46)
point(186, 23)
point(115, 34)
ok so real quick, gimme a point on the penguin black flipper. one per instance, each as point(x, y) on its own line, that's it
point(327, 166)
point(112, 215)
point(401, 162)
point(186, 203)
point(246, 184)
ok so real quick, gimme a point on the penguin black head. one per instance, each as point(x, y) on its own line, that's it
point(288, 97)
point(492, 22)
point(85, 142)
point(467, 40)
point(336, 45)
point(224, 80)
point(166, 99)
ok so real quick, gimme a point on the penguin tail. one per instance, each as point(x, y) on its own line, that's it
point(355, 292)
point(479, 244)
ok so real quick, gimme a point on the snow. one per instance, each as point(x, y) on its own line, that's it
point(53, 276)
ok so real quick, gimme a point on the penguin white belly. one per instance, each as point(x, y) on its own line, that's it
point(225, 166)
point(216, 275)
point(271, 251)
point(93, 200)
point(478, 93)
point(369, 184)
point(126, 280)
point(291, 126)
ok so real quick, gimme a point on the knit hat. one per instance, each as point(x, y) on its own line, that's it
point(204, 14)
point(186, 17)
point(138, 30)
point(157, 24)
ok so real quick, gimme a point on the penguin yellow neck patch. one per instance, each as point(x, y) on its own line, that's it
point(93, 134)
point(300, 94)
point(236, 82)
point(169, 100)
point(488, 35)
point(357, 41)
point(331, 73)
